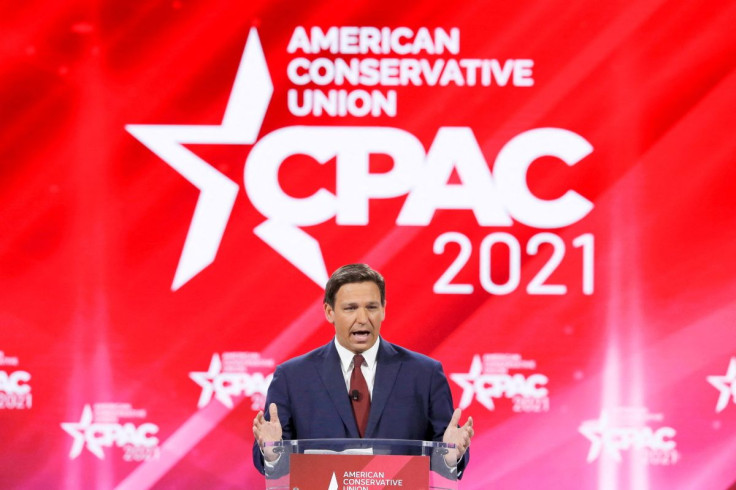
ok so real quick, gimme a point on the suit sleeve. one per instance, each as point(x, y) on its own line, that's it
point(278, 393)
point(440, 411)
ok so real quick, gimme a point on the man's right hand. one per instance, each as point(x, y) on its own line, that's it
point(267, 431)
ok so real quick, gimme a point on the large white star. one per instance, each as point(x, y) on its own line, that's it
point(246, 108)
point(726, 385)
point(78, 432)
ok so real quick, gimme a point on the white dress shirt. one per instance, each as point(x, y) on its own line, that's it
point(368, 367)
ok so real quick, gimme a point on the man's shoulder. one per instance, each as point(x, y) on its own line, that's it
point(408, 355)
point(310, 357)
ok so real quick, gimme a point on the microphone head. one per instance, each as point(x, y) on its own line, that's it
point(355, 395)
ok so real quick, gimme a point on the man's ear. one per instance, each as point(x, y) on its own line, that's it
point(329, 313)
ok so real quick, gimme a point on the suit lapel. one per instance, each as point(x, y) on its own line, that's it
point(386, 372)
point(331, 375)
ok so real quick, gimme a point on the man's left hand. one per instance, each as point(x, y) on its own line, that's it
point(460, 436)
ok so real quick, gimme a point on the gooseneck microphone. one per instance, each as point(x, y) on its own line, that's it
point(355, 395)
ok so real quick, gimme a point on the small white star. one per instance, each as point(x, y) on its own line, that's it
point(594, 431)
point(333, 483)
point(469, 383)
point(726, 385)
point(78, 432)
point(206, 381)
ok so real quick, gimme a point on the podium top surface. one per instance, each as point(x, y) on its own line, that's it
point(294, 445)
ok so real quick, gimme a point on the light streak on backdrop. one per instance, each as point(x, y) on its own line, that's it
point(546, 187)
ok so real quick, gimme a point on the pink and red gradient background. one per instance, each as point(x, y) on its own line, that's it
point(92, 225)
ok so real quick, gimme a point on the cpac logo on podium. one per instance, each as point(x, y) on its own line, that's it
point(489, 378)
point(100, 427)
point(495, 199)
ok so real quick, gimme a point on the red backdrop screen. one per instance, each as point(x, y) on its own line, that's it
point(547, 187)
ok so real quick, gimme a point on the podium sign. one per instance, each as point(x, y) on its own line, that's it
point(359, 464)
point(364, 472)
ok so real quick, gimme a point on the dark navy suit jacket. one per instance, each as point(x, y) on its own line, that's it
point(411, 398)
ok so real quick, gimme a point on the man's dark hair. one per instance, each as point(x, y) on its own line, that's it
point(352, 273)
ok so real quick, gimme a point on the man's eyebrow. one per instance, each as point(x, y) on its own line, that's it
point(355, 303)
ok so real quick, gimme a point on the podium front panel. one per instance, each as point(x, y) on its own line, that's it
point(350, 471)
point(365, 464)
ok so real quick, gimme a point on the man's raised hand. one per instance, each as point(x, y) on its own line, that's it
point(460, 436)
point(267, 431)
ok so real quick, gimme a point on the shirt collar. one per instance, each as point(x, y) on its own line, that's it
point(346, 356)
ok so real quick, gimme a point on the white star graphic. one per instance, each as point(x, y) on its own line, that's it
point(468, 383)
point(246, 108)
point(333, 483)
point(78, 432)
point(206, 381)
point(726, 385)
point(241, 123)
point(594, 431)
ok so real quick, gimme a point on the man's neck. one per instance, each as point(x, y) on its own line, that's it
point(346, 355)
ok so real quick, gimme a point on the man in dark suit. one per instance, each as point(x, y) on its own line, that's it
point(393, 394)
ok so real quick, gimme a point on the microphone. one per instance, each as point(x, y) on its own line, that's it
point(355, 395)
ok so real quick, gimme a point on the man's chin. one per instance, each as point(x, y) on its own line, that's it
point(359, 347)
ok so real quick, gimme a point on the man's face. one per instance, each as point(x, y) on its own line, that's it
point(357, 315)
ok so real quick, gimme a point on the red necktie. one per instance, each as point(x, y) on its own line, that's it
point(359, 395)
